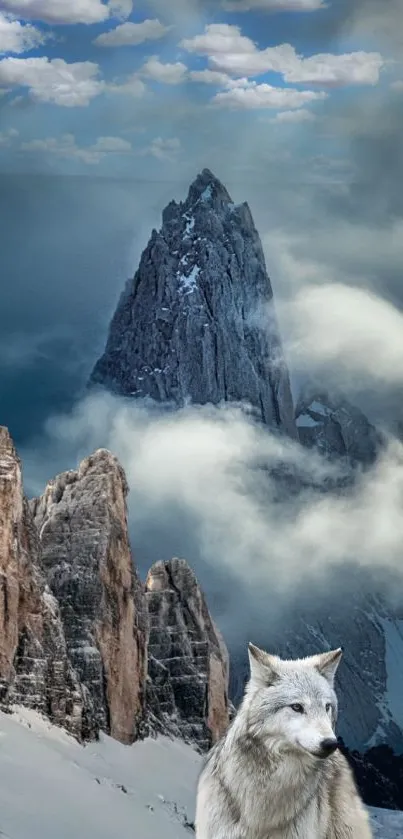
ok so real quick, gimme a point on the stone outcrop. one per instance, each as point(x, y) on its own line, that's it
point(197, 322)
point(82, 525)
point(34, 666)
point(188, 661)
point(336, 428)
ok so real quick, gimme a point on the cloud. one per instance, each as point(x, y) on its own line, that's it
point(209, 472)
point(7, 137)
point(17, 37)
point(163, 149)
point(397, 85)
point(67, 11)
point(257, 96)
point(229, 51)
point(121, 8)
point(209, 77)
point(131, 86)
point(66, 147)
point(303, 115)
point(53, 80)
point(274, 5)
point(132, 34)
point(164, 73)
point(348, 329)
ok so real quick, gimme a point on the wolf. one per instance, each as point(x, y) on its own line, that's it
point(278, 773)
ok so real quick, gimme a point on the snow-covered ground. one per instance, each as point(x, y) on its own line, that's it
point(52, 787)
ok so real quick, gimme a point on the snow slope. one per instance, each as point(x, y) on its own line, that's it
point(52, 787)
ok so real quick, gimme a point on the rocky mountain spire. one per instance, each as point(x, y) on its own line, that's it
point(197, 322)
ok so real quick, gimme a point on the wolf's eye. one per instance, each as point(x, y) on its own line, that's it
point(299, 709)
point(328, 708)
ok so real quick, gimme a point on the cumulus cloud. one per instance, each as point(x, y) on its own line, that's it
point(157, 71)
point(229, 51)
point(349, 328)
point(67, 147)
point(53, 80)
point(67, 11)
point(302, 115)
point(18, 37)
point(209, 77)
point(255, 96)
point(163, 149)
point(8, 137)
point(132, 34)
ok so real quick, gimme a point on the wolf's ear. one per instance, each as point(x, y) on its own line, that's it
point(327, 664)
point(263, 666)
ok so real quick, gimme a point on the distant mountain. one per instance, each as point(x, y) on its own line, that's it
point(197, 323)
point(336, 428)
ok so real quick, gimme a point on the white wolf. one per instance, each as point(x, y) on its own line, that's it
point(277, 773)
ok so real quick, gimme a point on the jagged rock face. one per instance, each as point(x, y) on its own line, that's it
point(81, 520)
point(197, 321)
point(188, 660)
point(34, 666)
point(337, 428)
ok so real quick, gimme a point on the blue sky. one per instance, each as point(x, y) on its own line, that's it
point(141, 91)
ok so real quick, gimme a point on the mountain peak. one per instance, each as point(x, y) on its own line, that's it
point(204, 298)
point(207, 188)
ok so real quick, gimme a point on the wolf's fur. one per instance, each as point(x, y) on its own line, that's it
point(268, 777)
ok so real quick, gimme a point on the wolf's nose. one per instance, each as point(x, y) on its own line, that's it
point(328, 746)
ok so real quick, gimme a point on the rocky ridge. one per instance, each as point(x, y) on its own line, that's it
point(197, 322)
point(74, 615)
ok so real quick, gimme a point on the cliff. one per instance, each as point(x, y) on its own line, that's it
point(82, 523)
point(35, 669)
point(188, 661)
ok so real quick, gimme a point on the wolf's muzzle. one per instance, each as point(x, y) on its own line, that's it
point(327, 747)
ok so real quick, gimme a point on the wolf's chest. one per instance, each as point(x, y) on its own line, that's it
point(288, 813)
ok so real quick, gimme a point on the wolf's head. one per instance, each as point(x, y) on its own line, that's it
point(293, 703)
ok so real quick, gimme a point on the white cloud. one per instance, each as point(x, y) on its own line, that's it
point(274, 5)
point(132, 86)
point(7, 137)
point(67, 11)
point(131, 34)
point(254, 96)
point(207, 472)
point(349, 328)
point(121, 8)
point(219, 39)
point(18, 37)
point(229, 51)
point(164, 149)
point(209, 77)
point(397, 85)
point(164, 73)
point(66, 147)
point(56, 81)
point(303, 115)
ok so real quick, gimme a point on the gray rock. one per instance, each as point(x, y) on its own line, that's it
point(197, 322)
point(188, 660)
point(336, 428)
point(35, 670)
point(82, 525)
